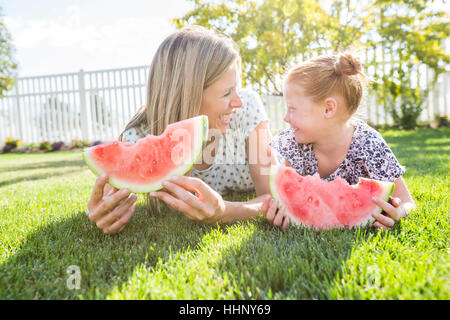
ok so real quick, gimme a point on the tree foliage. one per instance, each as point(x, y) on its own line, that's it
point(411, 34)
point(400, 35)
point(8, 66)
point(271, 34)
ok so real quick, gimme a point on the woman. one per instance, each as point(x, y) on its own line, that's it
point(194, 72)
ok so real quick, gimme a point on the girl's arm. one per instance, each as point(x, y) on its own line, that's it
point(399, 207)
point(401, 192)
point(258, 148)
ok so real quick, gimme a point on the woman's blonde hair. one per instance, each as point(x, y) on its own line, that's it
point(187, 62)
point(324, 75)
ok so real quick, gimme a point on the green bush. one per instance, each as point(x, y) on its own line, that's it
point(13, 143)
point(404, 103)
point(45, 145)
point(32, 146)
point(78, 143)
point(441, 121)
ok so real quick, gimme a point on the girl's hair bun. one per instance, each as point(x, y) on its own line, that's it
point(346, 64)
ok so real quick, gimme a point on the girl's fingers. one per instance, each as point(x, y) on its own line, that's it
point(121, 223)
point(115, 215)
point(265, 205)
point(388, 208)
point(278, 221)
point(271, 211)
point(285, 223)
point(395, 201)
point(386, 221)
point(379, 225)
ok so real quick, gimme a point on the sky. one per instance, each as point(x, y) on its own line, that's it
point(61, 36)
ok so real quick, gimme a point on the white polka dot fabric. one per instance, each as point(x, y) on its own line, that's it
point(230, 170)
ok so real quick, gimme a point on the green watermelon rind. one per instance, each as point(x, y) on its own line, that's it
point(388, 188)
point(202, 131)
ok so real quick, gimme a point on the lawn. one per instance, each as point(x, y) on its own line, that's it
point(44, 230)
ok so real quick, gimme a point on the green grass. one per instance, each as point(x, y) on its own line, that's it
point(44, 230)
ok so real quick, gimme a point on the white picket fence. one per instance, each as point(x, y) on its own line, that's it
point(96, 105)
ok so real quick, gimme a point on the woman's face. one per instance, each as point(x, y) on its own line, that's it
point(220, 98)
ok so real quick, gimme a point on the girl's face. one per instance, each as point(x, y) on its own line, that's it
point(220, 98)
point(303, 115)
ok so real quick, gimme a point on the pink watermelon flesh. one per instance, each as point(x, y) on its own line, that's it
point(313, 202)
point(141, 167)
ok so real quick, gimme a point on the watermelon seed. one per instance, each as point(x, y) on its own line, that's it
point(310, 199)
point(356, 204)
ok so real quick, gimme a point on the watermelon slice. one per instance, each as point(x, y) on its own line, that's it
point(141, 167)
point(312, 202)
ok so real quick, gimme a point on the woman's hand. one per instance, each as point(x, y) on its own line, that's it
point(273, 215)
point(394, 212)
point(205, 206)
point(110, 208)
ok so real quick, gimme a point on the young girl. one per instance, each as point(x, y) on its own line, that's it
point(322, 95)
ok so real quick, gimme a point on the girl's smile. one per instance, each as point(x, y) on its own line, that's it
point(302, 115)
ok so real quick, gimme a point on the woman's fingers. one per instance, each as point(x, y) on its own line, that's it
point(109, 204)
point(121, 223)
point(97, 190)
point(196, 185)
point(176, 204)
point(184, 195)
point(116, 214)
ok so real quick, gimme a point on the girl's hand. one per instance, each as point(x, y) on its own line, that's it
point(205, 206)
point(394, 210)
point(110, 208)
point(273, 215)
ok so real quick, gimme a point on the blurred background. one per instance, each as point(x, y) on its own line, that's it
point(76, 70)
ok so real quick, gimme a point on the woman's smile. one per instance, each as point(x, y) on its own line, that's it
point(225, 119)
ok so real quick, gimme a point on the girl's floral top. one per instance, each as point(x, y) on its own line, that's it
point(368, 156)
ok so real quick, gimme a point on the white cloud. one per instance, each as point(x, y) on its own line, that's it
point(68, 44)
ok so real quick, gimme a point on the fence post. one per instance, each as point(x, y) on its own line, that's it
point(86, 122)
point(21, 112)
point(444, 92)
